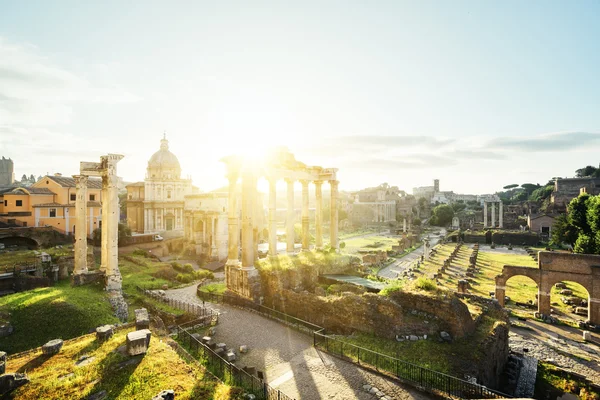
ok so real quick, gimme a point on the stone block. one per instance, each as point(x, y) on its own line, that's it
point(243, 349)
point(104, 332)
point(52, 347)
point(220, 351)
point(587, 336)
point(221, 346)
point(6, 329)
point(138, 342)
point(142, 319)
point(230, 356)
point(207, 340)
point(10, 382)
point(165, 395)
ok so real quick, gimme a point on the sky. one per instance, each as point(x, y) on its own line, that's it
point(478, 94)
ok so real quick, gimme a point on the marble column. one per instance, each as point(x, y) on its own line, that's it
point(493, 225)
point(318, 215)
point(113, 276)
point(104, 237)
point(500, 216)
point(305, 221)
point(213, 240)
point(233, 252)
point(248, 203)
point(289, 223)
point(334, 215)
point(404, 225)
point(272, 217)
point(80, 224)
point(485, 214)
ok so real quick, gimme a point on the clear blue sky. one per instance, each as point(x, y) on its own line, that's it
point(478, 94)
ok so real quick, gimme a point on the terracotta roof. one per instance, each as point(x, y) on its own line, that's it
point(33, 190)
point(66, 181)
point(89, 204)
point(136, 184)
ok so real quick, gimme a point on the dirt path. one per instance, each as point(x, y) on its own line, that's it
point(290, 361)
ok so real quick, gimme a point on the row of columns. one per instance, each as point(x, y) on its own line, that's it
point(385, 212)
point(106, 169)
point(248, 209)
point(500, 214)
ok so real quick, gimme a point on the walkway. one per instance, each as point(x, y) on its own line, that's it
point(396, 268)
point(290, 361)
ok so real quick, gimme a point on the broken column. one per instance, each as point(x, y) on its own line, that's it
point(333, 227)
point(289, 223)
point(318, 215)
point(305, 222)
point(273, 217)
point(138, 342)
point(110, 225)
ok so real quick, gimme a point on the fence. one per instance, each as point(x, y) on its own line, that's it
point(190, 308)
point(423, 378)
point(227, 371)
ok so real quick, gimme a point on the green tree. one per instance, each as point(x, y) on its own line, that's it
point(563, 232)
point(457, 207)
point(586, 171)
point(416, 221)
point(514, 185)
point(577, 211)
point(442, 215)
point(541, 193)
point(585, 244)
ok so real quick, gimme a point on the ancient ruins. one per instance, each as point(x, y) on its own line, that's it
point(242, 276)
point(492, 205)
point(553, 268)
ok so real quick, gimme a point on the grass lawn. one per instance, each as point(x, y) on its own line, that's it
point(353, 245)
point(311, 259)
point(553, 382)
point(9, 258)
point(121, 376)
point(60, 311)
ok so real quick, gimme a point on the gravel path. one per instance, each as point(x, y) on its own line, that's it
point(290, 361)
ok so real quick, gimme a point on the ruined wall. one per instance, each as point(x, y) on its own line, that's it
point(490, 356)
point(515, 238)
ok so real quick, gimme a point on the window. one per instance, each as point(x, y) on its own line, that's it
point(92, 197)
point(24, 224)
point(52, 213)
point(73, 197)
point(168, 194)
point(19, 203)
point(5, 203)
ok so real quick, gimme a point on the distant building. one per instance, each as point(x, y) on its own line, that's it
point(206, 224)
point(7, 175)
point(50, 202)
point(567, 189)
point(376, 205)
point(156, 205)
point(541, 223)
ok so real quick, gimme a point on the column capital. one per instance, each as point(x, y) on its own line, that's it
point(80, 178)
point(334, 182)
point(290, 181)
point(318, 182)
point(304, 182)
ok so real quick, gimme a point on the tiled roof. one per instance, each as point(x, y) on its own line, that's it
point(89, 204)
point(33, 190)
point(66, 181)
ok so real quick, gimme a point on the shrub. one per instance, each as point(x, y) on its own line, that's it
point(395, 286)
point(184, 278)
point(425, 284)
point(165, 272)
point(177, 266)
point(141, 252)
point(203, 274)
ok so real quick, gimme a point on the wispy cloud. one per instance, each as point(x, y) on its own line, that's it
point(548, 143)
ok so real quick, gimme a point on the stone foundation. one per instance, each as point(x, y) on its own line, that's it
point(86, 278)
point(244, 283)
point(118, 304)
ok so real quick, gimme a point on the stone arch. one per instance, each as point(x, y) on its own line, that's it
point(582, 280)
point(17, 240)
point(509, 271)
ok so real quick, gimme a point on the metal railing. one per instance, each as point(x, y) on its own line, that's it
point(426, 379)
point(226, 371)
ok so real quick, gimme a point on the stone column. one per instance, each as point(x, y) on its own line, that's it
point(213, 249)
point(305, 221)
point(113, 276)
point(233, 252)
point(318, 216)
point(493, 225)
point(500, 216)
point(289, 223)
point(334, 215)
point(248, 200)
point(404, 225)
point(272, 217)
point(485, 212)
point(104, 236)
point(80, 225)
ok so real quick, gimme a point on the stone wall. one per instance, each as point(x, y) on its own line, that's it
point(490, 356)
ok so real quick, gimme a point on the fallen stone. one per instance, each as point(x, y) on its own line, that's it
point(66, 376)
point(587, 336)
point(207, 340)
point(104, 332)
point(101, 395)
point(243, 349)
point(10, 382)
point(445, 336)
point(220, 351)
point(165, 395)
point(162, 293)
point(230, 356)
point(367, 387)
point(414, 337)
point(6, 329)
point(138, 341)
point(84, 360)
point(249, 396)
point(52, 347)
point(221, 346)
point(142, 320)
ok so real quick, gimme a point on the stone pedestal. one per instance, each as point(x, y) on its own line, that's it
point(104, 332)
point(86, 278)
point(243, 282)
point(138, 342)
point(10, 382)
point(142, 319)
point(52, 347)
point(2, 362)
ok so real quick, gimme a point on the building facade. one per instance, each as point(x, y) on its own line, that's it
point(7, 175)
point(50, 202)
point(158, 205)
point(566, 190)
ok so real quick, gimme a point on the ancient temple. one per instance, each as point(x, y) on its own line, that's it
point(156, 205)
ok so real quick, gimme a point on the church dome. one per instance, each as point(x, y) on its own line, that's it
point(163, 158)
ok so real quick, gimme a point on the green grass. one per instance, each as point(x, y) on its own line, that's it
point(9, 258)
point(554, 382)
point(214, 288)
point(354, 245)
point(160, 368)
point(60, 311)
